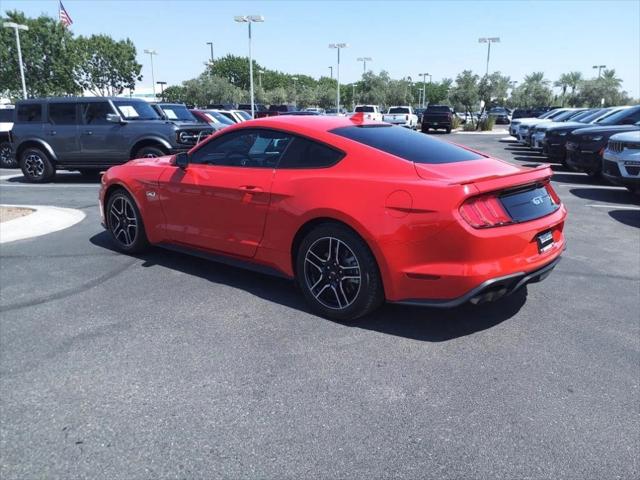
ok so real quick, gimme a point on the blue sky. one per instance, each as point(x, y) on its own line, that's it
point(404, 38)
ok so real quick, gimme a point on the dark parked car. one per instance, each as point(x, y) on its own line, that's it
point(204, 116)
point(275, 110)
point(437, 116)
point(500, 114)
point(530, 112)
point(586, 145)
point(419, 111)
point(222, 106)
point(90, 134)
point(246, 107)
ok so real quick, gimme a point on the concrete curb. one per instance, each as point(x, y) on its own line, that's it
point(44, 220)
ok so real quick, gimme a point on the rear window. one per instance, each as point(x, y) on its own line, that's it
point(407, 144)
point(365, 109)
point(6, 115)
point(399, 110)
point(30, 112)
point(438, 108)
point(62, 113)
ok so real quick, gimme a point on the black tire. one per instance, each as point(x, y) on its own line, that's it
point(36, 166)
point(425, 129)
point(150, 152)
point(329, 254)
point(448, 129)
point(90, 174)
point(125, 224)
point(7, 160)
point(633, 189)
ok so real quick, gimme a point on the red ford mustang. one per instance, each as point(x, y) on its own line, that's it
point(356, 212)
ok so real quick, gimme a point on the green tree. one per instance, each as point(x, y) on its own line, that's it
point(533, 92)
point(465, 92)
point(106, 66)
point(206, 89)
point(492, 89)
point(176, 94)
point(591, 93)
point(49, 56)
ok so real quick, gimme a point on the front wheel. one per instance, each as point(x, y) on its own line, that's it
point(448, 129)
point(149, 152)
point(338, 274)
point(124, 222)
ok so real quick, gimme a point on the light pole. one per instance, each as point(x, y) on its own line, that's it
point(162, 84)
point(599, 67)
point(424, 86)
point(331, 71)
point(338, 46)
point(364, 61)
point(249, 19)
point(489, 41)
point(17, 27)
point(153, 80)
point(353, 97)
point(211, 46)
point(260, 72)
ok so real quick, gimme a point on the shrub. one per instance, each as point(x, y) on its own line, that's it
point(486, 124)
point(455, 122)
point(469, 126)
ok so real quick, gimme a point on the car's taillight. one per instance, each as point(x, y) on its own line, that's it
point(552, 193)
point(406, 117)
point(484, 212)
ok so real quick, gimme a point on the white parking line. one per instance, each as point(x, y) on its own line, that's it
point(58, 185)
point(614, 206)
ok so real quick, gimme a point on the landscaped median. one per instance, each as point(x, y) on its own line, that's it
point(18, 222)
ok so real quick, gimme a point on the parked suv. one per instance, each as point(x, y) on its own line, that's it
point(90, 134)
point(6, 124)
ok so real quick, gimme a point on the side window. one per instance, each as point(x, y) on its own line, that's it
point(632, 118)
point(95, 113)
point(62, 113)
point(28, 113)
point(244, 148)
point(304, 153)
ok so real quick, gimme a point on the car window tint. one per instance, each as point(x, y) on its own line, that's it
point(6, 114)
point(245, 148)
point(30, 112)
point(407, 144)
point(95, 113)
point(305, 153)
point(62, 113)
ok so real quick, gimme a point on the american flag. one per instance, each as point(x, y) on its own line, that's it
point(65, 19)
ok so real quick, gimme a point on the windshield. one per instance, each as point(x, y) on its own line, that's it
point(564, 115)
point(365, 109)
point(135, 110)
point(617, 117)
point(399, 110)
point(498, 110)
point(217, 116)
point(583, 116)
point(177, 112)
point(243, 114)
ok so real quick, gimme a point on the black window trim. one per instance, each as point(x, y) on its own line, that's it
point(279, 130)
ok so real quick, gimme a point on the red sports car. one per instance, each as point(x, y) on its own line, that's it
point(356, 212)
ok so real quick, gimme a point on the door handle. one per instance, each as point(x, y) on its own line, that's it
point(52, 132)
point(87, 132)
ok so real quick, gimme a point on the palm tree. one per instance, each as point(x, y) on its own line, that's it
point(574, 79)
point(536, 78)
point(609, 78)
point(563, 84)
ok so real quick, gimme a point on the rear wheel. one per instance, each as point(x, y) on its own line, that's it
point(448, 129)
point(7, 159)
point(124, 222)
point(90, 174)
point(36, 166)
point(337, 273)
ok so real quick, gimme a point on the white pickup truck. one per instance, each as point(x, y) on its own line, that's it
point(370, 112)
point(402, 115)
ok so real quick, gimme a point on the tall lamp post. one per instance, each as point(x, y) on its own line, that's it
point(338, 46)
point(353, 96)
point(260, 72)
point(364, 61)
point(424, 86)
point(151, 53)
point(162, 84)
point(489, 41)
point(599, 67)
point(17, 27)
point(331, 71)
point(295, 90)
point(249, 19)
point(211, 46)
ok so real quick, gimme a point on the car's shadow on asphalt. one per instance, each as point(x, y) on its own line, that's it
point(575, 179)
point(628, 217)
point(69, 177)
point(609, 195)
point(418, 323)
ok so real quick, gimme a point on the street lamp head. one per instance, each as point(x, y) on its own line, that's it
point(338, 45)
point(248, 18)
point(256, 18)
point(209, 43)
point(150, 51)
point(15, 25)
point(494, 39)
point(241, 18)
point(483, 40)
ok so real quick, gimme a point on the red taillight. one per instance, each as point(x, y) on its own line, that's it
point(484, 211)
point(552, 193)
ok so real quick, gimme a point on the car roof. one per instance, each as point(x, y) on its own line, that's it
point(76, 99)
point(317, 123)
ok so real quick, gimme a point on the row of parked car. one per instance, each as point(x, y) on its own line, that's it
point(602, 142)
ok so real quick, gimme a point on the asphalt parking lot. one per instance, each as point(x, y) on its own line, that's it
point(166, 366)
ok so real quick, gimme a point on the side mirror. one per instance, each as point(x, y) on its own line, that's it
point(114, 118)
point(182, 160)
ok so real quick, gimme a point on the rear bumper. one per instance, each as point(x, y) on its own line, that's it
point(491, 289)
